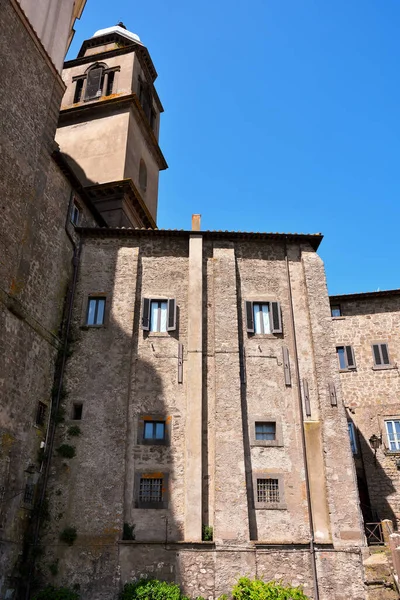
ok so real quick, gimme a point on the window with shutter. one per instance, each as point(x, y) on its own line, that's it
point(263, 317)
point(93, 84)
point(380, 353)
point(171, 314)
point(158, 315)
point(346, 358)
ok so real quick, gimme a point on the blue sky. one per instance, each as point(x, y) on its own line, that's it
point(280, 115)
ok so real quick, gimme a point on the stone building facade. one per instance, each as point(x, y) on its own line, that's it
point(253, 434)
point(368, 324)
point(154, 383)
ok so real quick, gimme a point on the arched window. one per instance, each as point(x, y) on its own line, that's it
point(142, 175)
point(94, 83)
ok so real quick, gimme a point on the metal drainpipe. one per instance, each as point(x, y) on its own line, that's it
point(52, 425)
point(303, 435)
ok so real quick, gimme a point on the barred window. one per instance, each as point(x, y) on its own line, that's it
point(29, 493)
point(150, 489)
point(267, 490)
point(265, 431)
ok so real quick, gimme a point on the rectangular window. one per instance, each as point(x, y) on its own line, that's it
point(336, 311)
point(78, 90)
point(154, 430)
point(158, 315)
point(95, 313)
point(110, 83)
point(265, 431)
point(380, 353)
point(263, 317)
point(29, 493)
point(352, 436)
point(77, 412)
point(393, 434)
point(41, 413)
point(75, 214)
point(346, 358)
point(150, 489)
point(268, 491)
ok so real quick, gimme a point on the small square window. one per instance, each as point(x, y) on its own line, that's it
point(154, 430)
point(95, 311)
point(75, 214)
point(393, 434)
point(77, 412)
point(268, 491)
point(41, 413)
point(151, 490)
point(265, 431)
point(336, 310)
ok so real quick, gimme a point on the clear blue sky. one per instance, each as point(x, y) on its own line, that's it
point(280, 115)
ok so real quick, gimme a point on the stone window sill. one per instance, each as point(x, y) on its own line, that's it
point(384, 368)
point(271, 506)
point(338, 318)
point(87, 327)
point(158, 334)
point(347, 370)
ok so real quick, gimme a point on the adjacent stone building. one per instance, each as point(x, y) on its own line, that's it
point(367, 341)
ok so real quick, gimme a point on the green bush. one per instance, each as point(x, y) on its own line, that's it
point(74, 430)
point(151, 589)
point(66, 451)
point(255, 589)
point(52, 593)
point(68, 535)
point(207, 533)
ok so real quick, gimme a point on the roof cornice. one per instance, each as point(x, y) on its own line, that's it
point(365, 295)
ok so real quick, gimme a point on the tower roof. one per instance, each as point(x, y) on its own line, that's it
point(118, 29)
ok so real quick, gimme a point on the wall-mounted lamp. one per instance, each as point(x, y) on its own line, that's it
point(375, 442)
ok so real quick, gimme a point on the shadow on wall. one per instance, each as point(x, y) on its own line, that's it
point(78, 171)
point(375, 485)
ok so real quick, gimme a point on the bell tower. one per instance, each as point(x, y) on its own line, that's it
point(109, 126)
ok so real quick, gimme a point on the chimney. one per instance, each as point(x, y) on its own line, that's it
point(196, 222)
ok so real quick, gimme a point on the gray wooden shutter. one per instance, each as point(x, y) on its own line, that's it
point(146, 314)
point(180, 363)
point(385, 354)
point(351, 362)
point(307, 404)
point(276, 317)
point(249, 317)
point(93, 82)
point(377, 355)
point(332, 393)
point(286, 366)
point(171, 325)
point(242, 359)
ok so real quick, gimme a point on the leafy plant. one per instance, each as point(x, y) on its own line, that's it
point(66, 451)
point(52, 593)
point(128, 532)
point(74, 430)
point(207, 533)
point(68, 535)
point(255, 589)
point(151, 589)
point(53, 568)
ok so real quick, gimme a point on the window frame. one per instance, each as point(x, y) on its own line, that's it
point(96, 297)
point(277, 442)
point(154, 418)
point(74, 407)
point(171, 314)
point(41, 411)
point(75, 209)
point(397, 441)
point(353, 437)
point(346, 351)
point(281, 505)
point(163, 503)
point(383, 366)
point(274, 312)
point(336, 307)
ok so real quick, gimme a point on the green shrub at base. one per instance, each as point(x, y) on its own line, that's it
point(53, 593)
point(255, 589)
point(151, 589)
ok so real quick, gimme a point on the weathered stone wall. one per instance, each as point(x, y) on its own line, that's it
point(35, 268)
point(121, 373)
point(371, 395)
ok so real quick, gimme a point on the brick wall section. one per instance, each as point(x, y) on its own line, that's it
point(372, 396)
